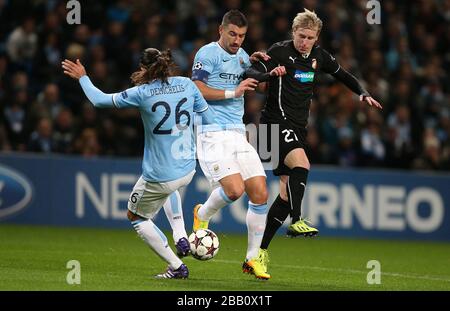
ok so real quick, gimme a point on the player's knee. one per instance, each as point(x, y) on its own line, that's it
point(234, 192)
point(283, 195)
point(130, 216)
point(260, 196)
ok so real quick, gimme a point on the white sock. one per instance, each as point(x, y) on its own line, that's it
point(256, 223)
point(215, 202)
point(154, 238)
point(174, 213)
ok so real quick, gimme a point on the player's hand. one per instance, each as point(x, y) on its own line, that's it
point(278, 71)
point(371, 101)
point(246, 85)
point(73, 70)
point(257, 56)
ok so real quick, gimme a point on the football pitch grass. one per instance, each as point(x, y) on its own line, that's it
point(35, 258)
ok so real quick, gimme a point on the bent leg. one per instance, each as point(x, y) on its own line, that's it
point(299, 166)
point(174, 213)
point(231, 188)
point(256, 213)
point(278, 212)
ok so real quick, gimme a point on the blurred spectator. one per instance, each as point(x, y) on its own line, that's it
point(15, 116)
point(172, 42)
point(86, 144)
point(196, 24)
point(347, 154)
point(373, 151)
point(314, 148)
point(47, 104)
point(63, 132)
point(253, 104)
point(403, 62)
point(22, 43)
point(4, 142)
point(41, 138)
point(400, 148)
point(431, 158)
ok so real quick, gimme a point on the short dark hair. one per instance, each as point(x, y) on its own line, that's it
point(234, 17)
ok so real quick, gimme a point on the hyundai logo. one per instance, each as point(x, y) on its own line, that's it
point(15, 192)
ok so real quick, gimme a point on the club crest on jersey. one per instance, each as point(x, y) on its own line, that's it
point(241, 61)
point(303, 76)
point(198, 66)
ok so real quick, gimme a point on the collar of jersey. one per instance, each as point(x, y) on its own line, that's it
point(230, 55)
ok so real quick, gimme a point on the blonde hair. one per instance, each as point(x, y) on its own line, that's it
point(307, 20)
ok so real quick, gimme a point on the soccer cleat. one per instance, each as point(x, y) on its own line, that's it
point(183, 247)
point(198, 224)
point(181, 273)
point(264, 255)
point(263, 258)
point(257, 266)
point(301, 227)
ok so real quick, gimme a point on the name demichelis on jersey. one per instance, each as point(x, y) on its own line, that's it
point(166, 111)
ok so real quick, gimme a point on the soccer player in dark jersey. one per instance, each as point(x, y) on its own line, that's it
point(289, 97)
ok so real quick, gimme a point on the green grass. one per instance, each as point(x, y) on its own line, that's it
point(34, 258)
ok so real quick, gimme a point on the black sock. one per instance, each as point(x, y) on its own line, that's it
point(295, 189)
point(275, 218)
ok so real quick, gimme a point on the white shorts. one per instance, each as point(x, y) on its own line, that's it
point(225, 153)
point(147, 198)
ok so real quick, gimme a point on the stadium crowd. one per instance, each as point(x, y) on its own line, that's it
point(403, 61)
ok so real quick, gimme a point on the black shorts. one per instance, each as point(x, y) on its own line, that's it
point(289, 138)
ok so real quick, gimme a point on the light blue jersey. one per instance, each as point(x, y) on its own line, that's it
point(221, 70)
point(167, 111)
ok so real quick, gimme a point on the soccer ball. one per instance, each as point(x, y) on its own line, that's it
point(204, 244)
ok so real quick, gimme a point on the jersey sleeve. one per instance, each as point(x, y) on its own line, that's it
point(329, 63)
point(200, 103)
point(203, 65)
point(246, 60)
point(266, 66)
point(95, 96)
point(129, 98)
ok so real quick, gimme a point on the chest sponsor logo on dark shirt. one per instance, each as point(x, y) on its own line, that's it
point(304, 76)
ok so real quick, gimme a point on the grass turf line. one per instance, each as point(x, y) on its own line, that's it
point(35, 258)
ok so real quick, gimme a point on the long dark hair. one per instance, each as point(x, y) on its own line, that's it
point(154, 65)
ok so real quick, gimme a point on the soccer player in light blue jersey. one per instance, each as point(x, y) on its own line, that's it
point(228, 161)
point(167, 104)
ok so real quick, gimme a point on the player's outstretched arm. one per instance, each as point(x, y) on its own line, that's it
point(265, 76)
point(353, 84)
point(370, 100)
point(96, 97)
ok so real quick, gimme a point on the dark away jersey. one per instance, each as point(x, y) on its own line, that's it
point(289, 96)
